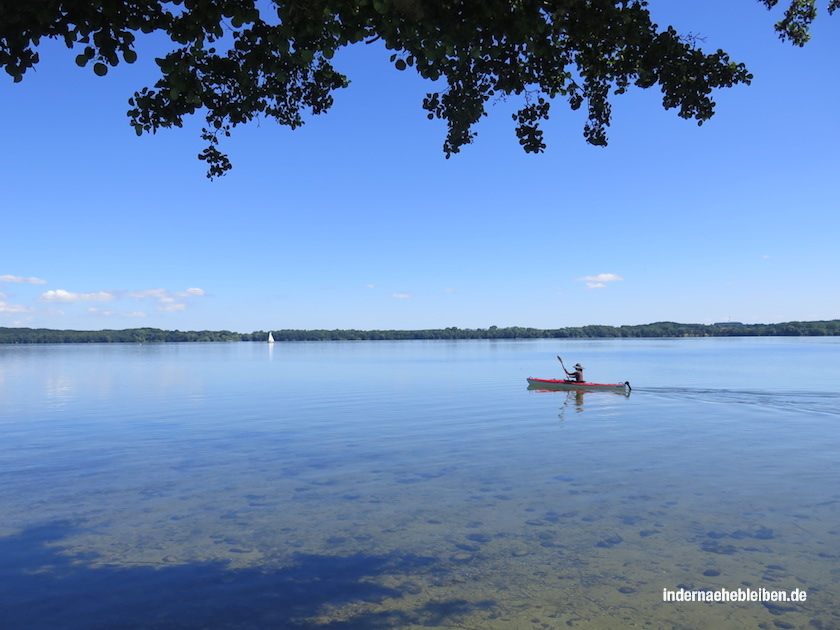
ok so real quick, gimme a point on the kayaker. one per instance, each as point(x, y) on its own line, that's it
point(577, 374)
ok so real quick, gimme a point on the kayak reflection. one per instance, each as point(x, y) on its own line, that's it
point(575, 396)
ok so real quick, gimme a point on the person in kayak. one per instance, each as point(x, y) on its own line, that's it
point(577, 375)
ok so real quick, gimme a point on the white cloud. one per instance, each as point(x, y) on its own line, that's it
point(599, 281)
point(601, 277)
point(155, 294)
point(368, 286)
point(95, 310)
point(60, 295)
point(194, 292)
point(14, 308)
point(22, 279)
point(167, 300)
point(449, 290)
point(164, 295)
point(402, 296)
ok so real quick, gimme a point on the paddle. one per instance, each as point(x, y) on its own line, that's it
point(563, 364)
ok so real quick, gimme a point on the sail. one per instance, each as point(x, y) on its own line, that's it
point(270, 338)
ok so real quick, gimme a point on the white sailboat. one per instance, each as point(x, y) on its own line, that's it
point(270, 338)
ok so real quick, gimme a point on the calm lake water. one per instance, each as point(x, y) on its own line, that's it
point(417, 485)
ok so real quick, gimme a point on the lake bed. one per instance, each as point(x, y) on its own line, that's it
point(417, 484)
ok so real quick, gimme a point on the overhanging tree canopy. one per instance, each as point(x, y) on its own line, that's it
point(239, 59)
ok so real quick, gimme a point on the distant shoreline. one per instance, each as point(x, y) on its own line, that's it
point(659, 329)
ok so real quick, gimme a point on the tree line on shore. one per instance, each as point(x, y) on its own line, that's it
point(131, 335)
point(658, 329)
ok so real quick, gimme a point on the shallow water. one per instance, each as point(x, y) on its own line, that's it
point(417, 484)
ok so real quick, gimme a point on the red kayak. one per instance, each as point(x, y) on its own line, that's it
point(556, 383)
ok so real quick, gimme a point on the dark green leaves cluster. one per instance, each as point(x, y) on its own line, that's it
point(796, 25)
point(235, 60)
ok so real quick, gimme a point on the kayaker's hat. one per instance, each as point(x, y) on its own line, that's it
point(578, 366)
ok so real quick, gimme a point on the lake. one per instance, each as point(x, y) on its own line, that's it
point(356, 485)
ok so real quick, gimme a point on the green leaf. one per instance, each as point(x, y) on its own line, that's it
point(100, 69)
point(81, 60)
point(130, 56)
point(401, 65)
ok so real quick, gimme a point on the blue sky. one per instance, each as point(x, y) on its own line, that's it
point(356, 220)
